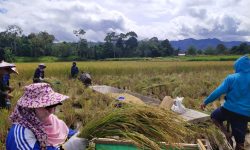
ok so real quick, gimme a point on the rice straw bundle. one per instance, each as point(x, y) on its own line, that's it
point(128, 98)
point(145, 126)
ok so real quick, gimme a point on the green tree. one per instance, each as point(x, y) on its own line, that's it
point(153, 46)
point(25, 47)
point(63, 49)
point(120, 44)
point(234, 50)
point(130, 44)
point(166, 47)
point(35, 44)
point(191, 50)
point(1, 54)
point(82, 45)
point(210, 51)
point(243, 48)
point(41, 43)
point(10, 38)
point(47, 41)
point(221, 49)
point(8, 55)
point(13, 32)
point(110, 40)
point(143, 49)
point(199, 52)
point(108, 50)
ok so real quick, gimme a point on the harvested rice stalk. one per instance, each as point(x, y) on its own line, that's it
point(145, 126)
point(127, 98)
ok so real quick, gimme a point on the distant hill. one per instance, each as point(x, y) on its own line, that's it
point(203, 43)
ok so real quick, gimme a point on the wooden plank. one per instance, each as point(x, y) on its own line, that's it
point(194, 116)
point(104, 89)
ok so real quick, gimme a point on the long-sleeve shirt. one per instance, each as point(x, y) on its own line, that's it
point(39, 74)
point(21, 138)
point(74, 71)
point(236, 87)
point(3, 94)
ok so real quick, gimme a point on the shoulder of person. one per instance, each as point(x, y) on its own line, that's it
point(24, 137)
point(37, 70)
point(232, 76)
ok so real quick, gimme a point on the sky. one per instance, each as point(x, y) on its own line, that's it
point(227, 20)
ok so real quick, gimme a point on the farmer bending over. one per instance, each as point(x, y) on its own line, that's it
point(236, 108)
point(39, 73)
point(85, 78)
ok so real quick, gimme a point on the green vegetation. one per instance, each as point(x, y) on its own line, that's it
point(212, 58)
point(37, 59)
point(170, 58)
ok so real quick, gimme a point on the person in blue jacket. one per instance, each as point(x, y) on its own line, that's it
point(236, 107)
point(35, 127)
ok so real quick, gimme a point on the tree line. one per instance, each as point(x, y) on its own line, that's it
point(220, 49)
point(116, 45)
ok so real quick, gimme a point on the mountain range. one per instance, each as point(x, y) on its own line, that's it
point(202, 44)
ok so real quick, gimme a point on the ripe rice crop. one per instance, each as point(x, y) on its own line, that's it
point(191, 80)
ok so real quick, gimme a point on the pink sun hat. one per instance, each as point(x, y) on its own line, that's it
point(40, 95)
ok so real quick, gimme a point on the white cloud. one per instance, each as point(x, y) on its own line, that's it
point(172, 19)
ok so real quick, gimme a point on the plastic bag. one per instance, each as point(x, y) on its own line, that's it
point(75, 143)
point(178, 107)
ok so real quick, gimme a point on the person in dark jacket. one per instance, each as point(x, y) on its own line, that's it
point(6, 79)
point(5, 90)
point(74, 70)
point(39, 73)
point(236, 107)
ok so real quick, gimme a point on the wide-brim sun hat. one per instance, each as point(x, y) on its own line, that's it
point(42, 65)
point(39, 95)
point(4, 64)
point(14, 70)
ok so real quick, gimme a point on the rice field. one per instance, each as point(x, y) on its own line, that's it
point(191, 80)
